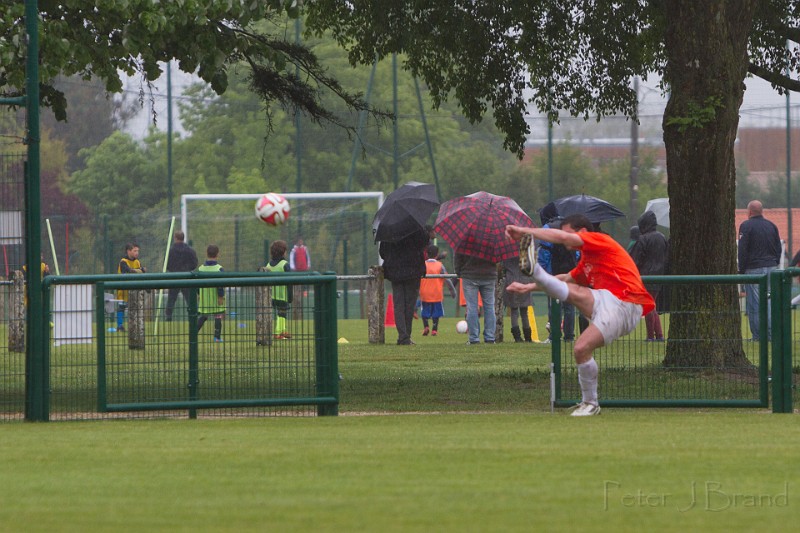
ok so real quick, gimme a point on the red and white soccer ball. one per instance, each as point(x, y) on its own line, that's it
point(273, 209)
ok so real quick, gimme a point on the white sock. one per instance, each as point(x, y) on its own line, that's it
point(554, 287)
point(587, 377)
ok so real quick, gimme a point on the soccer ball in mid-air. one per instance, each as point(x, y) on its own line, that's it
point(273, 209)
point(461, 326)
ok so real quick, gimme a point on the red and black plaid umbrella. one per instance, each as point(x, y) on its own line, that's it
point(475, 225)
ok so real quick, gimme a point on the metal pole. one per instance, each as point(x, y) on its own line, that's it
point(634, 181)
point(236, 243)
point(169, 137)
point(395, 148)
point(789, 240)
point(345, 298)
point(37, 396)
point(361, 119)
point(549, 160)
point(298, 145)
point(427, 139)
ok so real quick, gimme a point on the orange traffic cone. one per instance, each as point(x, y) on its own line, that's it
point(389, 321)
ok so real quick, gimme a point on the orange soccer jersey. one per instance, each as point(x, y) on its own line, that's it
point(432, 289)
point(606, 265)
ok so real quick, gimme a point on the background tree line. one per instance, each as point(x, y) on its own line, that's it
point(98, 173)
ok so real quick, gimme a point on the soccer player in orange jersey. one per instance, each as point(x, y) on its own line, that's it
point(605, 286)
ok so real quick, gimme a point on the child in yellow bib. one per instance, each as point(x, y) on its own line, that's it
point(129, 264)
point(281, 294)
point(211, 300)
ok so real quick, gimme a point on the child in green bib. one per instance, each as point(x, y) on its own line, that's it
point(211, 300)
point(281, 294)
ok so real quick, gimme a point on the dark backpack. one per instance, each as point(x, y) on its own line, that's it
point(300, 258)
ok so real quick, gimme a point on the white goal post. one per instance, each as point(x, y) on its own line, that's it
point(299, 202)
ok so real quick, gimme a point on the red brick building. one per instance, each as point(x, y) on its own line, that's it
point(762, 151)
point(779, 217)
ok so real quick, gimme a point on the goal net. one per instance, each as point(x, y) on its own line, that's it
point(335, 227)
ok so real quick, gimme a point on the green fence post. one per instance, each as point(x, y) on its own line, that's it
point(777, 347)
point(785, 331)
point(326, 356)
point(345, 297)
point(37, 332)
point(763, 318)
point(781, 342)
point(236, 231)
point(555, 347)
point(47, 336)
point(194, 358)
point(365, 243)
point(100, 320)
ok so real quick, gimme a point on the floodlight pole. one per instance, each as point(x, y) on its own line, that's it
point(789, 251)
point(634, 177)
point(169, 136)
point(549, 159)
point(395, 153)
point(395, 135)
point(298, 127)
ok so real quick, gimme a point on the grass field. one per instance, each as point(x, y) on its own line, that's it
point(434, 437)
point(628, 470)
point(438, 374)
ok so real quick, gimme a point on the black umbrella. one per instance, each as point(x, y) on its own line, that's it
point(405, 211)
point(595, 209)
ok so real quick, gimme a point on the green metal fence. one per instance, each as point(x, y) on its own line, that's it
point(785, 339)
point(90, 369)
point(174, 370)
point(687, 369)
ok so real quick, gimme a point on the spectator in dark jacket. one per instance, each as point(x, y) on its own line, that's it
point(634, 236)
point(182, 258)
point(404, 266)
point(556, 259)
point(759, 253)
point(650, 253)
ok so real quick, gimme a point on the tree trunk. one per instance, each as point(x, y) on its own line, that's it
point(375, 306)
point(706, 47)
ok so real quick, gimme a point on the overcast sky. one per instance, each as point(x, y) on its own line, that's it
point(762, 107)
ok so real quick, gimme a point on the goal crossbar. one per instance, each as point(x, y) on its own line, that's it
point(186, 198)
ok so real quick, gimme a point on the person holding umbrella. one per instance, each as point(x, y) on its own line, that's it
point(399, 225)
point(605, 286)
point(474, 226)
point(478, 277)
point(404, 266)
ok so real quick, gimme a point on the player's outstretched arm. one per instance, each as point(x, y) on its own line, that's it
point(522, 288)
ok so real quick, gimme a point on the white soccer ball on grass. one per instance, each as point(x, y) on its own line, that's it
point(461, 326)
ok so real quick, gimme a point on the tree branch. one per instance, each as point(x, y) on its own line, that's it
point(775, 78)
point(792, 33)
